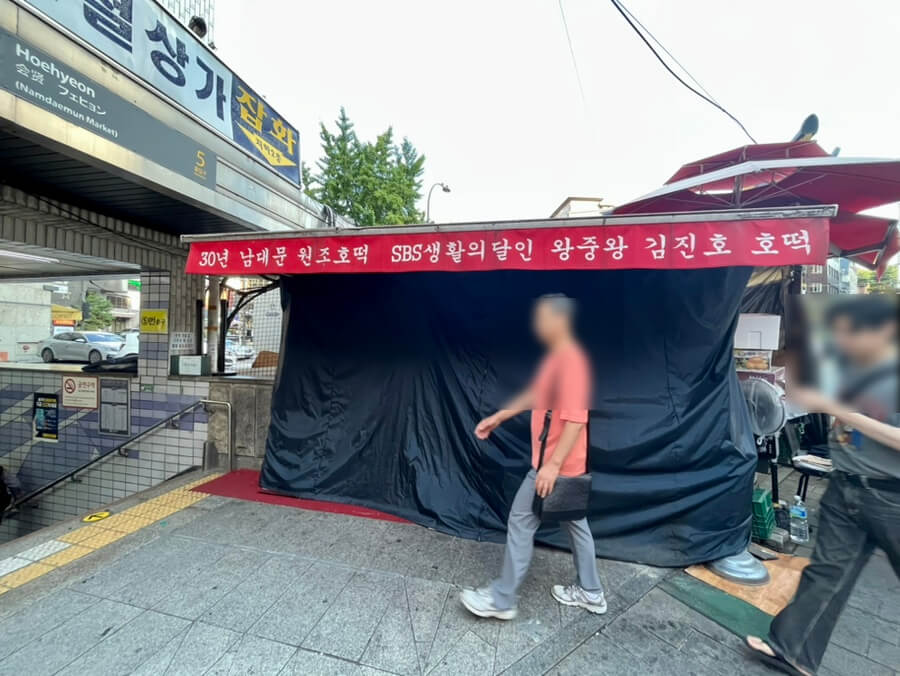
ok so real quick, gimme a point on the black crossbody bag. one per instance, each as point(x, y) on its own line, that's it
point(570, 497)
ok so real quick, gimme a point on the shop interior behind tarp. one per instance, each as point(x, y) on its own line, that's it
point(766, 291)
point(383, 378)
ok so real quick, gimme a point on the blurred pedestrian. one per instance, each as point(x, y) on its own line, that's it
point(559, 400)
point(861, 506)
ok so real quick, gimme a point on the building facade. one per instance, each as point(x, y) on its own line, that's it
point(837, 276)
point(184, 10)
point(849, 281)
point(823, 279)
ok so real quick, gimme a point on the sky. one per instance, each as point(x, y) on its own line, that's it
point(487, 89)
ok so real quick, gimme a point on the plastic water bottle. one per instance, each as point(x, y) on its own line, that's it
point(799, 522)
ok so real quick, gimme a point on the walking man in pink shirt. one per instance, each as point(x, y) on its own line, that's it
point(562, 384)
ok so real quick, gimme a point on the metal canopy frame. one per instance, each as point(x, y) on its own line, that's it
point(817, 211)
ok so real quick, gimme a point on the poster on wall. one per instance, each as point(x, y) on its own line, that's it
point(115, 415)
point(45, 417)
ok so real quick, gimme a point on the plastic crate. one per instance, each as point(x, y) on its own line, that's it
point(762, 527)
point(762, 503)
point(763, 514)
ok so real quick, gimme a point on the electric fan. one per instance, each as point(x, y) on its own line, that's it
point(768, 416)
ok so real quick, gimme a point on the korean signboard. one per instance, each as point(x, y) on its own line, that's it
point(45, 417)
point(142, 37)
point(663, 246)
point(154, 321)
point(79, 392)
point(38, 78)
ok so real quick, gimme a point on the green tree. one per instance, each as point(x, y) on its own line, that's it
point(99, 312)
point(869, 283)
point(370, 183)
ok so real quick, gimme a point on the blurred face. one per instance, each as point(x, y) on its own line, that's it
point(861, 344)
point(548, 324)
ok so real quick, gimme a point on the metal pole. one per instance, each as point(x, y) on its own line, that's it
point(223, 330)
point(228, 410)
point(212, 323)
point(428, 201)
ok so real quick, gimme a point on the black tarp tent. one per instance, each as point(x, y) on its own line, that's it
point(382, 378)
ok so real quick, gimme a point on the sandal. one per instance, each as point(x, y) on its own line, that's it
point(776, 661)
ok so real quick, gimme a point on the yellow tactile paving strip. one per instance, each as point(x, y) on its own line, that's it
point(87, 539)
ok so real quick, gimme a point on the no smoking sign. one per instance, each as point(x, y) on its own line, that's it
point(79, 392)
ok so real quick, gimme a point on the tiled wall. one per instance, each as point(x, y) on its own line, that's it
point(154, 397)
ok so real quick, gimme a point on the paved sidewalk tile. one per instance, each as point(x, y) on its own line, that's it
point(125, 650)
point(348, 624)
point(56, 648)
point(246, 603)
point(67, 555)
point(191, 651)
point(43, 550)
point(25, 574)
point(252, 655)
point(307, 663)
point(297, 611)
point(11, 564)
point(41, 617)
point(210, 584)
point(392, 646)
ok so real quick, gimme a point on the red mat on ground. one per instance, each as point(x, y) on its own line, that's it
point(243, 484)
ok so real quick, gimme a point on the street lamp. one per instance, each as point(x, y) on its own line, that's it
point(444, 187)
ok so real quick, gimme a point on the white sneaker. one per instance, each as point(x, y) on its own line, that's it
point(481, 602)
point(573, 595)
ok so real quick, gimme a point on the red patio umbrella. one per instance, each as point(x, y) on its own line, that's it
point(791, 174)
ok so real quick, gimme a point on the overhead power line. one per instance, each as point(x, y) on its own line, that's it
point(667, 52)
point(628, 16)
point(562, 13)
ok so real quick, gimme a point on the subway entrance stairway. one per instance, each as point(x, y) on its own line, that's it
point(177, 581)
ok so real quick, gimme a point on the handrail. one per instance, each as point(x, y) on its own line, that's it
point(123, 447)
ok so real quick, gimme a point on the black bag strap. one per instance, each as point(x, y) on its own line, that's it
point(548, 417)
point(545, 431)
point(867, 381)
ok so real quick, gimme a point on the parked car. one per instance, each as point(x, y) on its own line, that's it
point(244, 352)
point(85, 346)
point(131, 344)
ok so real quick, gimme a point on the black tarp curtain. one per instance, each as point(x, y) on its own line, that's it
point(382, 379)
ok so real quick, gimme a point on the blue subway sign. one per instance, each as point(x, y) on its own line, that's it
point(143, 38)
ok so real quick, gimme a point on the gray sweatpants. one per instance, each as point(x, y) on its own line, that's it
point(520, 530)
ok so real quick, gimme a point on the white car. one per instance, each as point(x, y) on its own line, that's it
point(130, 346)
point(84, 346)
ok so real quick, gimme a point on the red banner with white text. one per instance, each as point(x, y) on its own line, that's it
point(661, 246)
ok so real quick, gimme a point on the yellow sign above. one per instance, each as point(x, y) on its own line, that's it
point(272, 155)
point(96, 516)
point(154, 321)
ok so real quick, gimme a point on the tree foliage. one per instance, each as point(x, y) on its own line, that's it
point(99, 312)
point(371, 183)
point(868, 281)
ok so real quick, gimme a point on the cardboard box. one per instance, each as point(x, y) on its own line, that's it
point(757, 332)
point(774, 375)
point(753, 360)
